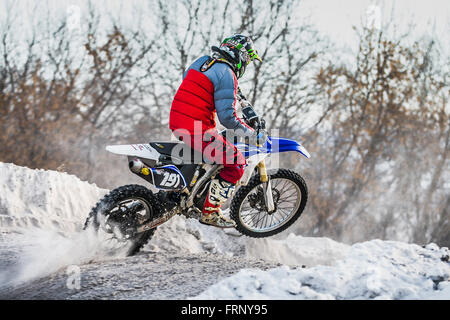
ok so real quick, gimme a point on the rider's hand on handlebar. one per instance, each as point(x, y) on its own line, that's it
point(250, 116)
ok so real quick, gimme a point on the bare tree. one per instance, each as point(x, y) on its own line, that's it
point(382, 112)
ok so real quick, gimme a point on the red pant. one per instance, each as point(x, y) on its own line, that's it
point(218, 149)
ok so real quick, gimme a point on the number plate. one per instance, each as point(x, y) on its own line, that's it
point(168, 178)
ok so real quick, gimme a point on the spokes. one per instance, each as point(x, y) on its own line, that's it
point(253, 212)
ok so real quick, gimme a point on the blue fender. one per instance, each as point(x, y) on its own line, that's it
point(273, 145)
point(276, 144)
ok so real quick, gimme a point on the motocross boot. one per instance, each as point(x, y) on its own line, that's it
point(219, 191)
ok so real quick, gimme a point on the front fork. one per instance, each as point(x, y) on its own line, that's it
point(267, 186)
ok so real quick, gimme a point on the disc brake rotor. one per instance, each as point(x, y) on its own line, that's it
point(257, 201)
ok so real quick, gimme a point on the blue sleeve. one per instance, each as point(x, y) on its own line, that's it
point(225, 89)
point(196, 65)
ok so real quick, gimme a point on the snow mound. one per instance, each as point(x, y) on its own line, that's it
point(370, 270)
point(188, 235)
point(44, 199)
point(297, 250)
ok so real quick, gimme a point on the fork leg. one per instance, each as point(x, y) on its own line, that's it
point(267, 186)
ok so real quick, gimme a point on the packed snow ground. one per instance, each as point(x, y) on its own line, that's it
point(42, 213)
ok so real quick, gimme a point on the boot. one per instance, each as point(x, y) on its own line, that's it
point(219, 191)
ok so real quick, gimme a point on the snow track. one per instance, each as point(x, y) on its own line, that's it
point(42, 242)
point(148, 275)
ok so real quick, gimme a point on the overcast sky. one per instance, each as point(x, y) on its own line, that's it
point(333, 18)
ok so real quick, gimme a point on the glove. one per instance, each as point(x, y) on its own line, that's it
point(250, 116)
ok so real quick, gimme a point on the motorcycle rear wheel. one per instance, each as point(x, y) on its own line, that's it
point(119, 212)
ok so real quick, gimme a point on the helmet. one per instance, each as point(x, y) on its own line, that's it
point(238, 51)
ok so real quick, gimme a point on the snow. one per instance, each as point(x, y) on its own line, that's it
point(297, 250)
point(370, 270)
point(188, 235)
point(58, 202)
point(43, 199)
point(42, 214)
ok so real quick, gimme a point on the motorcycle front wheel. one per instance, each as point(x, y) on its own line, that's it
point(248, 208)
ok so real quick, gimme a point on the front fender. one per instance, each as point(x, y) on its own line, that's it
point(276, 144)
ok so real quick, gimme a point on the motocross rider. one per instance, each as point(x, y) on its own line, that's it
point(210, 86)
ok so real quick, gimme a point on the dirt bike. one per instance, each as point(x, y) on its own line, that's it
point(266, 202)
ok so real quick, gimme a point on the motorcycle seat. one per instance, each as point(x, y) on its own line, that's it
point(173, 151)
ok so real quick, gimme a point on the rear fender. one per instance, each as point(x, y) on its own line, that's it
point(144, 151)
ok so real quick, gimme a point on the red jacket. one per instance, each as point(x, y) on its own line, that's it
point(202, 94)
point(194, 101)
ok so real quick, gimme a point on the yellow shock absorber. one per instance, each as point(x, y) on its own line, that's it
point(263, 171)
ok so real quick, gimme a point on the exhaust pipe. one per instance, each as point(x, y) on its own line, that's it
point(137, 166)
